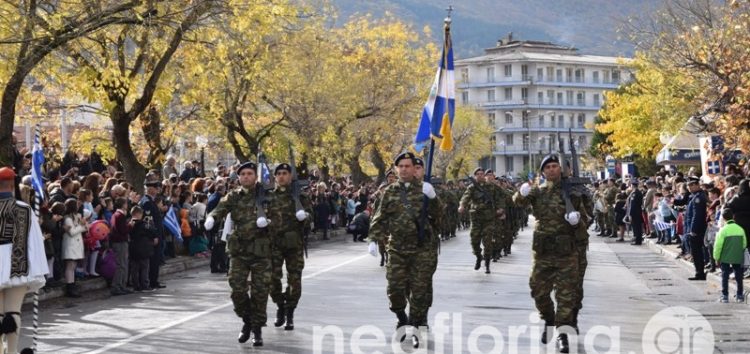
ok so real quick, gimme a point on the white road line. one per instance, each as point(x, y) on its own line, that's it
point(206, 312)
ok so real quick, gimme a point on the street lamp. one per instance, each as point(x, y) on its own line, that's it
point(505, 156)
point(201, 141)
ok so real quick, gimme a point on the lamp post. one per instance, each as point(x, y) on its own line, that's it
point(201, 141)
point(505, 156)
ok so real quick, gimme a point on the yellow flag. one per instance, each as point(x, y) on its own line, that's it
point(446, 144)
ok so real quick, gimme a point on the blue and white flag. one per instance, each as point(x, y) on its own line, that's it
point(173, 224)
point(265, 174)
point(438, 112)
point(37, 161)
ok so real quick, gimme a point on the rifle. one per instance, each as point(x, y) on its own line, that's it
point(296, 190)
point(260, 189)
point(572, 182)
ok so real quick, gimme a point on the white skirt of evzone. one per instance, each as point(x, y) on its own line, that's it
point(37, 259)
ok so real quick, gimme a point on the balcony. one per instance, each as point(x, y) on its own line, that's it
point(522, 150)
point(526, 80)
point(543, 105)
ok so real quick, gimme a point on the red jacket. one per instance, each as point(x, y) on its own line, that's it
point(120, 227)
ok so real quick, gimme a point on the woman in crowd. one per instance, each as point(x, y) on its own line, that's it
point(72, 245)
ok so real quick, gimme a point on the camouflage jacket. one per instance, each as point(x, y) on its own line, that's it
point(285, 229)
point(483, 199)
point(247, 238)
point(610, 194)
point(398, 214)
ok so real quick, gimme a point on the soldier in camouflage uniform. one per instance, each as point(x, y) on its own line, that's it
point(610, 195)
point(250, 249)
point(453, 217)
point(498, 237)
point(512, 220)
point(288, 247)
point(554, 250)
point(485, 205)
point(412, 261)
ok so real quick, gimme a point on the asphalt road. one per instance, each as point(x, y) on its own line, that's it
point(344, 309)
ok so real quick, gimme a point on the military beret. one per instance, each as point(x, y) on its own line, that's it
point(7, 174)
point(389, 173)
point(489, 171)
point(249, 164)
point(405, 155)
point(547, 159)
point(282, 166)
point(418, 162)
point(478, 169)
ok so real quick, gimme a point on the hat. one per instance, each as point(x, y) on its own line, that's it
point(7, 174)
point(489, 171)
point(389, 172)
point(547, 159)
point(249, 164)
point(418, 162)
point(151, 183)
point(282, 166)
point(478, 169)
point(172, 175)
point(405, 155)
point(693, 180)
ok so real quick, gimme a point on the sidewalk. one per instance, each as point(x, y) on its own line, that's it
point(173, 266)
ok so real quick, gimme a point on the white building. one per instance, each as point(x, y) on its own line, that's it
point(533, 93)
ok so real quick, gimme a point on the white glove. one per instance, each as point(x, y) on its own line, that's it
point(262, 222)
point(209, 224)
point(428, 190)
point(301, 215)
point(525, 189)
point(372, 248)
point(573, 218)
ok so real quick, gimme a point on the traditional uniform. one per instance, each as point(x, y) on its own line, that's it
point(250, 249)
point(412, 262)
point(288, 249)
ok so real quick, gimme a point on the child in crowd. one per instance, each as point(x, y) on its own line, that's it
point(143, 239)
point(729, 252)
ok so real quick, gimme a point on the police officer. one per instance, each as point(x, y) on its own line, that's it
point(485, 205)
point(250, 249)
point(288, 246)
point(153, 217)
point(696, 225)
point(554, 251)
point(412, 256)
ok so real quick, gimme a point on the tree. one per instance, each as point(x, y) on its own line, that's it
point(34, 29)
point(471, 132)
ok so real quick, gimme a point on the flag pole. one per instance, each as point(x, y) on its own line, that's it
point(430, 156)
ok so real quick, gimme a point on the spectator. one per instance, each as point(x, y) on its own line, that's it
point(620, 213)
point(351, 207)
point(360, 226)
point(72, 245)
point(119, 238)
point(731, 245)
point(188, 172)
point(143, 240)
point(170, 167)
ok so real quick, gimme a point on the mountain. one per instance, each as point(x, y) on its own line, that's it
point(589, 25)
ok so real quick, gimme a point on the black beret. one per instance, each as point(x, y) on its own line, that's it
point(418, 162)
point(405, 155)
point(547, 159)
point(478, 169)
point(489, 171)
point(249, 164)
point(390, 172)
point(282, 166)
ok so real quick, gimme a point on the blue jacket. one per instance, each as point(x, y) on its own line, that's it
point(695, 216)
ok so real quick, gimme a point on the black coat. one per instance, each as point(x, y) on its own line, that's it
point(740, 206)
point(141, 240)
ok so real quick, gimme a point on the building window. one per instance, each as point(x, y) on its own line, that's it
point(525, 121)
point(508, 93)
point(465, 97)
point(559, 98)
point(579, 76)
point(491, 119)
point(464, 74)
point(526, 142)
point(596, 100)
point(524, 94)
point(559, 75)
point(509, 140)
point(596, 77)
point(540, 97)
point(615, 76)
point(508, 118)
point(553, 122)
point(525, 73)
point(539, 74)
point(550, 97)
point(491, 95)
point(491, 74)
point(582, 143)
point(552, 142)
point(508, 70)
point(569, 98)
point(560, 121)
point(570, 121)
point(581, 120)
point(509, 164)
point(493, 142)
point(605, 77)
point(568, 75)
point(581, 98)
point(541, 121)
point(550, 73)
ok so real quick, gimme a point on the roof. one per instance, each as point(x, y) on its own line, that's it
point(541, 57)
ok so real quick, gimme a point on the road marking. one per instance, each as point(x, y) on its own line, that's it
point(206, 312)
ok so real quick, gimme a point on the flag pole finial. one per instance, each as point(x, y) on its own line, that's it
point(449, 9)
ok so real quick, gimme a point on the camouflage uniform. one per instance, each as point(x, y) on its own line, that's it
point(250, 251)
point(411, 263)
point(585, 206)
point(555, 255)
point(482, 200)
point(288, 246)
point(610, 195)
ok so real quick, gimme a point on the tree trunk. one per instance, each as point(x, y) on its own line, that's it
point(151, 127)
point(135, 173)
point(8, 112)
point(358, 176)
point(379, 163)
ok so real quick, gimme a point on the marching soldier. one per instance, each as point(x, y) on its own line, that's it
point(554, 251)
point(412, 254)
point(610, 194)
point(484, 206)
point(250, 249)
point(288, 247)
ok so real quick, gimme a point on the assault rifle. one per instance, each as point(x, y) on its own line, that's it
point(296, 190)
point(572, 183)
point(260, 189)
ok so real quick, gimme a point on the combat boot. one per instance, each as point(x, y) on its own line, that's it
point(257, 337)
point(382, 260)
point(562, 343)
point(280, 316)
point(245, 332)
point(289, 320)
point(549, 326)
point(487, 266)
point(403, 320)
point(478, 264)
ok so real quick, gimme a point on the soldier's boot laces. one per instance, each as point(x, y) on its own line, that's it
point(257, 337)
point(280, 316)
point(562, 343)
point(487, 266)
point(289, 320)
point(245, 332)
point(549, 326)
point(478, 264)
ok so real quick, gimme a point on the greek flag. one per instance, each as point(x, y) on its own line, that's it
point(438, 112)
point(265, 174)
point(661, 226)
point(37, 160)
point(173, 224)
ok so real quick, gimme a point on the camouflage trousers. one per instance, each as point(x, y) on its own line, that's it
point(294, 259)
point(609, 220)
point(482, 232)
point(561, 274)
point(259, 270)
point(409, 276)
point(582, 264)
